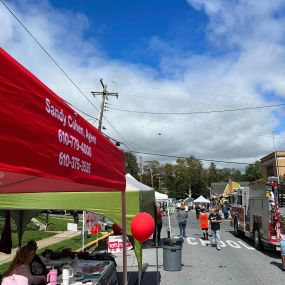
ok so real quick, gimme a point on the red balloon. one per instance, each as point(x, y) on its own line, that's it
point(142, 226)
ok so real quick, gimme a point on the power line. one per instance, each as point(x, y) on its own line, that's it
point(200, 112)
point(62, 70)
point(209, 126)
point(48, 54)
point(179, 99)
point(197, 93)
point(121, 136)
point(83, 112)
point(202, 159)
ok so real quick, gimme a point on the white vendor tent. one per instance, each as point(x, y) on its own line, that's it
point(202, 199)
point(133, 184)
point(159, 197)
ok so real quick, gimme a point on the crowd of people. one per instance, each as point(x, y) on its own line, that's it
point(209, 218)
point(213, 220)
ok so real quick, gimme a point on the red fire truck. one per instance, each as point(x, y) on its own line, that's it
point(258, 211)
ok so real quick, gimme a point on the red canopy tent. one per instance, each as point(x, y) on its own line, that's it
point(46, 146)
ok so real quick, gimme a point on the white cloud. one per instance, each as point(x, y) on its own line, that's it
point(200, 82)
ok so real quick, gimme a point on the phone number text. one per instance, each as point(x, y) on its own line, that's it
point(74, 143)
point(74, 162)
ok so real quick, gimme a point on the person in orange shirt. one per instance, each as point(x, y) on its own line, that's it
point(204, 223)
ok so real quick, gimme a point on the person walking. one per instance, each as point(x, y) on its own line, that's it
point(204, 223)
point(225, 211)
point(215, 220)
point(158, 225)
point(182, 216)
point(198, 209)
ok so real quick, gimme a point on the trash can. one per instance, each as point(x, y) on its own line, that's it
point(172, 254)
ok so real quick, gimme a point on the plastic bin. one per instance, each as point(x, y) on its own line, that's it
point(172, 254)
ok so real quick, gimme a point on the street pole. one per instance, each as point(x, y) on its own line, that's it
point(151, 176)
point(275, 156)
point(105, 94)
point(159, 183)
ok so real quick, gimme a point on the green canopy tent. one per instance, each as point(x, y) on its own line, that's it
point(139, 197)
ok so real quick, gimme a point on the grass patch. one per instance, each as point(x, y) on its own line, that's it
point(4, 267)
point(73, 243)
point(28, 235)
point(57, 223)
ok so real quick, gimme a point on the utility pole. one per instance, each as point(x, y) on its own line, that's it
point(105, 94)
point(141, 166)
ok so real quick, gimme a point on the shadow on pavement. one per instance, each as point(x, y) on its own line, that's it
point(150, 244)
point(148, 278)
point(269, 250)
point(277, 264)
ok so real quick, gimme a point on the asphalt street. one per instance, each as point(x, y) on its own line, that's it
point(237, 262)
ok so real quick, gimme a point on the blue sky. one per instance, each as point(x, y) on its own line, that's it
point(125, 28)
point(164, 56)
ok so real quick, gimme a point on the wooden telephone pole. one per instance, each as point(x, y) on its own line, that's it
point(105, 94)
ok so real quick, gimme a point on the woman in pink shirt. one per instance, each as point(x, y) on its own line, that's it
point(20, 266)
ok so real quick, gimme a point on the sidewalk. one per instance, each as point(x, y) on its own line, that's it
point(41, 244)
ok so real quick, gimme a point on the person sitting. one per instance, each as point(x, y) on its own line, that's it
point(46, 256)
point(37, 266)
point(21, 266)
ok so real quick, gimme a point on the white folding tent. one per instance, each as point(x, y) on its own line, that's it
point(159, 197)
point(202, 199)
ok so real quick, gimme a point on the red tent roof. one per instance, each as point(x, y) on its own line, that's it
point(45, 146)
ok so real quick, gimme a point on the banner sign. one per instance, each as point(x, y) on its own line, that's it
point(115, 244)
point(90, 220)
point(41, 135)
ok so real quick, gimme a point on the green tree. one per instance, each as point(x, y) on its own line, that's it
point(186, 174)
point(212, 174)
point(253, 171)
point(132, 166)
point(224, 174)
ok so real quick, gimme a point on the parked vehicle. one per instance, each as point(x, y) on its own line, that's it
point(258, 211)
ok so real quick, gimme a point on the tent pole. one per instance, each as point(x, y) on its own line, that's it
point(83, 231)
point(21, 231)
point(124, 224)
point(169, 224)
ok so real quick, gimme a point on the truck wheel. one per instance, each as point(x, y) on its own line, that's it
point(257, 239)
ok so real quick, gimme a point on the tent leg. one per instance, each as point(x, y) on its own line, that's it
point(169, 224)
point(21, 229)
point(124, 224)
point(83, 232)
point(156, 252)
point(139, 275)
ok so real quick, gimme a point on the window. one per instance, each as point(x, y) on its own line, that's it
point(239, 199)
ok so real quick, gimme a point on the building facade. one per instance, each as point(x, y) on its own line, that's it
point(273, 164)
